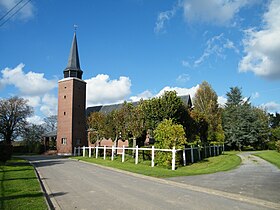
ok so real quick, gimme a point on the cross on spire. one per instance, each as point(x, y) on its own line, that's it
point(75, 27)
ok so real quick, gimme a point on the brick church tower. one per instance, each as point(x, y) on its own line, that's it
point(71, 118)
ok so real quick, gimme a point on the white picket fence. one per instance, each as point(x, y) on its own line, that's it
point(213, 151)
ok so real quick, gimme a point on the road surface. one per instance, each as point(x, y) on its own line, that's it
point(73, 184)
point(254, 178)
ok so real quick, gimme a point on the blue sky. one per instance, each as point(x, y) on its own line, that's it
point(132, 49)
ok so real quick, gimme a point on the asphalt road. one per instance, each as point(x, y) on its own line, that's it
point(77, 185)
point(254, 178)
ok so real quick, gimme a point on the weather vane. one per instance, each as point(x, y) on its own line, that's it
point(75, 27)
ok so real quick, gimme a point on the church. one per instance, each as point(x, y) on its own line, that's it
point(72, 111)
point(71, 115)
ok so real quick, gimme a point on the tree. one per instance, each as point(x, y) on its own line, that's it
point(244, 124)
point(206, 108)
point(134, 121)
point(32, 136)
point(274, 131)
point(167, 106)
point(262, 128)
point(129, 122)
point(234, 97)
point(275, 134)
point(168, 135)
point(234, 121)
point(50, 123)
point(13, 114)
point(96, 123)
point(199, 128)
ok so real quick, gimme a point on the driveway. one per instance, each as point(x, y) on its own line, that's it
point(74, 184)
point(254, 178)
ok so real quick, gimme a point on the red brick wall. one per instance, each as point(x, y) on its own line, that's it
point(71, 120)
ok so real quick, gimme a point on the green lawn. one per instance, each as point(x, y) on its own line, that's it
point(224, 162)
point(19, 187)
point(271, 156)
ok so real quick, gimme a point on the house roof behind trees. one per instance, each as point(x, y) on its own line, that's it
point(109, 108)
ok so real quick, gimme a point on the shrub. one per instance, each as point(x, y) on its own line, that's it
point(277, 145)
point(167, 135)
point(271, 145)
point(6, 151)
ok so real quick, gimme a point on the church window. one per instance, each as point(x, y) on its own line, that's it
point(63, 140)
point(64, 113)
point(64, 97)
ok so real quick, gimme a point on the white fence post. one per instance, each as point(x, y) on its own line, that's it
point(223, 148)
point(123, 153)
point(104, 155)
point(113, 151)
point(89, 151)
point(184, 156)
point(210, 151)
point(74, 151)
point(153, 156)
point(96, 152)
point(218, 150)
point(136, 155)
point(173, 158)
point(205, 153)
point(192, 158)
point(79, 151)
point(84, 151)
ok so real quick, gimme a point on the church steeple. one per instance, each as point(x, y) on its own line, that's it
point(73, 68)
point(71, 118)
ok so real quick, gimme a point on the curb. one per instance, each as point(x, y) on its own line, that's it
point(51, 202)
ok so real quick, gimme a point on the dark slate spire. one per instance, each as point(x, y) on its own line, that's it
point(73, 68)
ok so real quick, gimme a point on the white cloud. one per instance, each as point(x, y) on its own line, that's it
point(262, 47)
point(271, 106)
point(212, 47)
point(230, 45)
point(183, 78)
point(27, 11)
point(33, 87)
point(2, 85)
point(164, 17)
point(222, 101)
point(30, 83)
point(255, 95)
point(102, 90)
point(186, 64)
point(49, 105)
point(144, 95)
point(180, 91)
point(217, 12)
point(216, 45)
point(33, 101)
point(35, 119)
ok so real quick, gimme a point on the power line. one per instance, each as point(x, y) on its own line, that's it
point(10, 10)
point(20, 8)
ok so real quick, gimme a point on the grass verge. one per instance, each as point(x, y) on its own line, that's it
point(224, 162)
point(271, 156)
point(19, 187)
